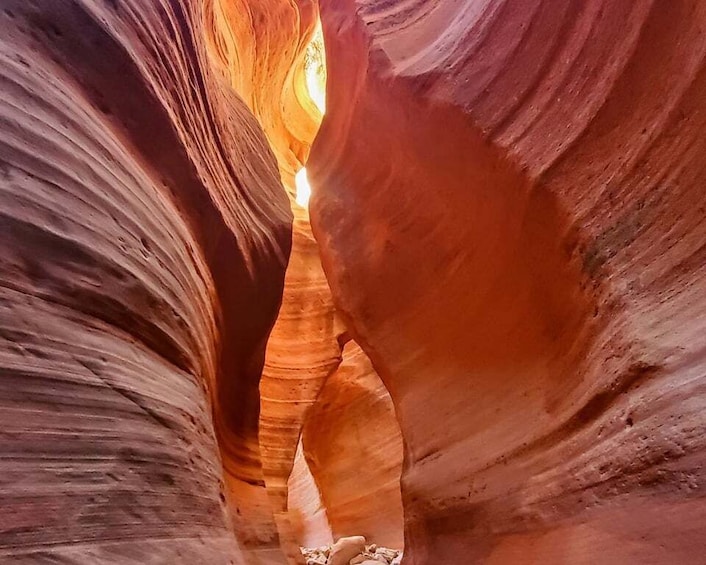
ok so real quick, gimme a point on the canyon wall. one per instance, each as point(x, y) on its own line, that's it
point(508, 196)
point(264, 47)
point(352, 444)
point(146, 231)
point(144, 236)
point(261, 48)
point(509, 206)
point(148, 160)
point(301, 354)
point(306, 512)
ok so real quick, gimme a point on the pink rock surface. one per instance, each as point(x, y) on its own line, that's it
point(307, 513)
point(509, 209)
point(509, 203)
point(144, 239)
point(353, 447)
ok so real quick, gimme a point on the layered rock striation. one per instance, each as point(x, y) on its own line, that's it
point(508, 208)
point(146, 230)
point(353, 448)
point(508, 200)
point(144, 239)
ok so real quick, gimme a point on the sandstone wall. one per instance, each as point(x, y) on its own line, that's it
point(307, 513)
point(510, 207)
point(144, 238)
point(353, 447)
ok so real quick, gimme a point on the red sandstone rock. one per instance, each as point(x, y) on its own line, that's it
point(265, 65)
point(144, 238)
point(302, 352)
point(353, 446)
point(303, 349)
point(191, 180)
point(508, 195)
point(307, 514)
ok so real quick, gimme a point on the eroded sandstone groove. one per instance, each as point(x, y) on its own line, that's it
point(510, 210)
point(148, 150)
point(502, 303)
point(144, 240)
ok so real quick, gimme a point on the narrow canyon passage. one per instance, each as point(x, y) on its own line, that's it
point(278, 274)
point(309, 356)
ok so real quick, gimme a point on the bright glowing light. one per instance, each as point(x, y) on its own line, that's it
point(315, 69)
point(315, 77)
point(301, 181)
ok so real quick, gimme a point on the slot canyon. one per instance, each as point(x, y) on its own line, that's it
point(277, 274)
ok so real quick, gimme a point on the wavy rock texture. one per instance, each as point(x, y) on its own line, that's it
point(303, 349)
point(301, 354)
point(261, 48)
point(144, 239)
point(130, 112)
point(352, 445)
point(307, 513)
point(509, 201)
point(508, 197)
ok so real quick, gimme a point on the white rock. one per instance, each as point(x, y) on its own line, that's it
point(346, 549)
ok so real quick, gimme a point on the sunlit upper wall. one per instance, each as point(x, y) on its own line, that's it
point(268, 55)
point(315, 76)
point(315, 69)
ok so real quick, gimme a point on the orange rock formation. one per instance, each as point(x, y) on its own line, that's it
point(492, 351)
point(510, 211)
point(144, 240)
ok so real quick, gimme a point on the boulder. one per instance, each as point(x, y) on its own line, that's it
point(346, 549)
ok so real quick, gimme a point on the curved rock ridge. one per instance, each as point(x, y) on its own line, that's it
point(306, 511)
point(508, 200)
point(265, 63)
point(144, 239)
point(508, 205)
point(301, 354)
point(260, 49)
point(353, 448)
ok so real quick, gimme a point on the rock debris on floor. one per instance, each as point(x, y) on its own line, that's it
point(351, 551)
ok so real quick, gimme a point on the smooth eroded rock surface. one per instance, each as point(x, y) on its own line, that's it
point(144, 237)
point(306, 510)
point(509, 209)
point(508, 196)
point(353, 447)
